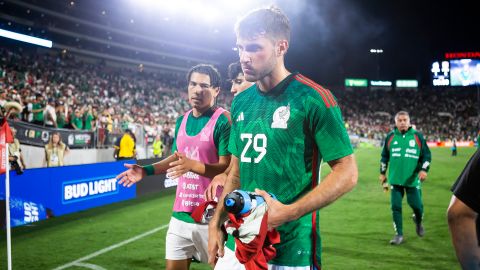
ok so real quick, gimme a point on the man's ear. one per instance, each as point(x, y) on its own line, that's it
point(282, 47)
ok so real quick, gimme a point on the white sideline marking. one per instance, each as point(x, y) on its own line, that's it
point(89, 266)
point(107, 249)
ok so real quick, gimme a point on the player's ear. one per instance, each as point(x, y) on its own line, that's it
point(282, 47)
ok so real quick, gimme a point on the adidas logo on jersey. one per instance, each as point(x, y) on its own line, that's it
point(240, 117)
point(395, 142)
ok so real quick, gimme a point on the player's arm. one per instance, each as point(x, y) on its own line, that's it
point(425, 158)
point(218, 180)
point(215, 234)
point(341, 180)
point(461, 221)
point(221, 136)
point(384, 160)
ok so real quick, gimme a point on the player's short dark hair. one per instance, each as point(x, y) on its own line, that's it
point(209, 70)
point(234, 69)
point(271, 22)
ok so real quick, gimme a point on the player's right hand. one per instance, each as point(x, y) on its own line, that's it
point(382, 178)
point(211, 191)
point(129, 177)
point(216, 240)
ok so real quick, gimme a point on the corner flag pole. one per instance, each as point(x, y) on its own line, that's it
point(7, 206)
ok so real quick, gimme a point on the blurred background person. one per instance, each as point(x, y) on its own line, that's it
point(157, 147)
point(125, 146)
point(55, 151)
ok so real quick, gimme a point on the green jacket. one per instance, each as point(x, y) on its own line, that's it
point(405, 155)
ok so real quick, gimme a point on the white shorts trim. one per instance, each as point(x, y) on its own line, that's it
point(186, 240)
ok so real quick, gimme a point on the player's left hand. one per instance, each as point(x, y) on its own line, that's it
point(422, 175)
point(278, 213)
point(179, 167)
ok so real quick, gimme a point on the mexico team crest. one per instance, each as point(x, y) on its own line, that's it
point(411, 143)
point(281, 116)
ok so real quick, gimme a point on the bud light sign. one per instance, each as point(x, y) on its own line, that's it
point(48, 192)
point(80, 190)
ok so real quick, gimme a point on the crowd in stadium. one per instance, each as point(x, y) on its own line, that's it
point(440, 114)
point(60, 90)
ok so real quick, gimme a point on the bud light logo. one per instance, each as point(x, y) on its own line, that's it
point(86, 189)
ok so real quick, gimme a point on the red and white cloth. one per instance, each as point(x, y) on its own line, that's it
point(254, 242)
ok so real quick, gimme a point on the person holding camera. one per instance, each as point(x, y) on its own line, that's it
point(15, 156)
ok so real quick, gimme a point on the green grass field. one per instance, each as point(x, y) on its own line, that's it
point(355, 230)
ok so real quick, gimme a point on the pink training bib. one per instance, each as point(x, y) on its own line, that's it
point(201, 147)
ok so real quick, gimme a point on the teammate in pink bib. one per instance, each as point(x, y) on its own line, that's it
point(200, 153)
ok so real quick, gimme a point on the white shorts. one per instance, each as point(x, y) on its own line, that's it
point(230, 262)
point(186, 240)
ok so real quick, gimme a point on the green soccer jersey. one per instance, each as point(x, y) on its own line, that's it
point(280, 138)
point(221, 135)
point(405, 154)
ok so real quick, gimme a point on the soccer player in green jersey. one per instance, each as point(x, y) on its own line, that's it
point(282, 128)
point(407, 156)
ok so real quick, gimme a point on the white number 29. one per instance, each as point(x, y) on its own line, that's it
point(259, 145)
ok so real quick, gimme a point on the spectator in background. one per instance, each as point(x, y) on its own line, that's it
point(77, 121)
point(55, 151)
point(125, 146)
point(50, 114)
point(454, 148)
point(3, 97)
point(157, 147)
point(61, 116)
point(167, 140)
point(89, 119)
point(463, 215)
point(15, 156)
point(37, 109)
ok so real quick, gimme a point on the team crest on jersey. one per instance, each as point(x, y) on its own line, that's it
point(411, 143)
point(281, 116)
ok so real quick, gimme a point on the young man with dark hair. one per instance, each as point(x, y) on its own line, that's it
point(282, 128)
point(237, 78)
point(200, 153)
point(408, 157)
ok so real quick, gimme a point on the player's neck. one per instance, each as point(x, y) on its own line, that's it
point(268, 82)
point(198, 112)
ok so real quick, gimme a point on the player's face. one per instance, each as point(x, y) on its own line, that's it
point(201, 94)
point(239, 84)
point(257, 57)
point(402, 122)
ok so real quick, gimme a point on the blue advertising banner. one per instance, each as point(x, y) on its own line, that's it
point(45, 192)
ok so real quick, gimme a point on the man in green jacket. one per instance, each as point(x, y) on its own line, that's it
point(408, 157)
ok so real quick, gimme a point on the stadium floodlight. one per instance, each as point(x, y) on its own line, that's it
point(25, 38)
point(376, 50)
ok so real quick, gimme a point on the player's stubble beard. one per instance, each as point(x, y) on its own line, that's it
point(262, 72)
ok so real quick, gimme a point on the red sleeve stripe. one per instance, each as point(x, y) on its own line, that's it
point(418, 141)
point(326, 91)
point(390, 141)
point(321, 93)
point(319, 89)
